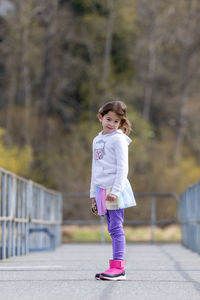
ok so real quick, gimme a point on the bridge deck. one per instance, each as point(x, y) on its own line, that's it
point(159, 271)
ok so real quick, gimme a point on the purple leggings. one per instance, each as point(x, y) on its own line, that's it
point(115, 220)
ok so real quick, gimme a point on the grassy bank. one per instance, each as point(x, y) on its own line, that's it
point(74, 233)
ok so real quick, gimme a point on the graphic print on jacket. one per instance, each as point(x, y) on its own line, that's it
point(100, 150)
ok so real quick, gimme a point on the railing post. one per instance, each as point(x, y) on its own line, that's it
point(18, 212)
point(23, 214)
point(40, 200)
point(9, 214)
point(189, 216)
point(197, 195)
point(13, 214)
point(153, 218)
point(102, 230)
point(29, 193)
point(52, 213)
point(3, 213)
point(60, 217)
point(45, 215)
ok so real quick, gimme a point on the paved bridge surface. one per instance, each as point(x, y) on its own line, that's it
point(157, 271)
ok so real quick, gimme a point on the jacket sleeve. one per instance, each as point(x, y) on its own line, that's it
point(121, 152)
point(92, 185)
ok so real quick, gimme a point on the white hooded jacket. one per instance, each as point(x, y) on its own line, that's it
point(110, 162)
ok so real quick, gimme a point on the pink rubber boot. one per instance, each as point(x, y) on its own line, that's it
point(116, 271)
point(97, 276)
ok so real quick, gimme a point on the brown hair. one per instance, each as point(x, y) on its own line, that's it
point(119, 108)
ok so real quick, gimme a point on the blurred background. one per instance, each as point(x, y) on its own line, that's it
point(61, 59)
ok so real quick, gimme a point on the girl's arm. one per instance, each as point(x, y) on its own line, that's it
point(111, 197)
point(92, 185)
point(121, 151)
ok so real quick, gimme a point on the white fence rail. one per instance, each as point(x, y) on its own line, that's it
point(154, 199)
point(30, 216)
point(189, 216)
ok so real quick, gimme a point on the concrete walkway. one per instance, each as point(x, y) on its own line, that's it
point(160, 271)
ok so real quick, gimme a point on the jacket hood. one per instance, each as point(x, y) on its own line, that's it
point(118, 131)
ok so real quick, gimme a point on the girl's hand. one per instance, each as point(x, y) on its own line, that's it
point(111, 197)
point(93, 200)
point(94, 207)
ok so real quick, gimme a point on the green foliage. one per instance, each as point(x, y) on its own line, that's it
point(15, 159)
point(52, 68)
point(121, 62)
point(155, 168)
point(81, 7)
point(185, 173)
point(81, 50)
point(136, 234)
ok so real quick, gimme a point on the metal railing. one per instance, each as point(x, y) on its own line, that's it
point(24, 206)
point(189, 216)
point(154, 198)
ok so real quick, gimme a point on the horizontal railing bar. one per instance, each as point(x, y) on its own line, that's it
point(37, 221)
point(148, 195)
point(28, 181)
point(97, 222)
point(6, 219)
point(190, 222)
point(81, 222)
point(45, 189)
point(14, 175)
point(148, 222)
point(21, 220)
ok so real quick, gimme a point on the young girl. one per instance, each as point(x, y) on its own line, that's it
point(110, 190)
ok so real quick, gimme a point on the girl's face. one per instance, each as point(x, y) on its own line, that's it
point(110, 122)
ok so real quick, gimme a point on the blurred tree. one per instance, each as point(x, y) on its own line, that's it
point(15, 159)
point(108, 43)
point(60, 60)
point(189, 38)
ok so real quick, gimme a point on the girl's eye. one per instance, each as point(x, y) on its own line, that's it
point(116, 121)
point(108, 119)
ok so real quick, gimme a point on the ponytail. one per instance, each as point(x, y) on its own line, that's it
point(125, 125)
